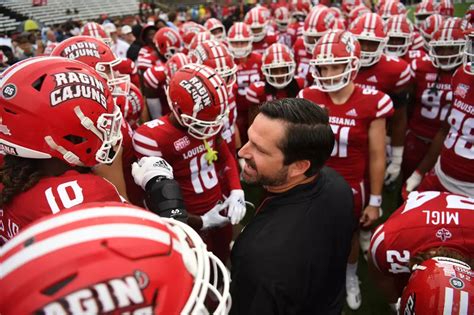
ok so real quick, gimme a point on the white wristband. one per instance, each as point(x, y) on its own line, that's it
point(375, 201)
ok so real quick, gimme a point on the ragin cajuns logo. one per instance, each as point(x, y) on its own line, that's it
point(104, 297)
point(72, 85)
point(81, 49)
point(198, 92)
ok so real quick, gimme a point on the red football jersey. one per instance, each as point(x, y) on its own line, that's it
point(433, 98)
point(147, 58)
point(350, 123)
point(412, 55)
point(426, 220)
point(51, 195)
point(417, 42)
point(295, 30)
point(155, 79)
point(388, 75)
point(259, 47)
point(248, 71)
point(457, 154)
point(134, 192)
point(285, 38)
point(302, 59)
point(256, 92)
point(187, 155)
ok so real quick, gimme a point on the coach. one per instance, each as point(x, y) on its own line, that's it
point(291, 258)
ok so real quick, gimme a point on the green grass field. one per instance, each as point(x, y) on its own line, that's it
point(373, 303)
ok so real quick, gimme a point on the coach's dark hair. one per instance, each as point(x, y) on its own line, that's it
point(308, 133)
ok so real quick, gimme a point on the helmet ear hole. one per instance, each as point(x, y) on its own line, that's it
point(57, 286)
point(74, 139)
point(39, 83)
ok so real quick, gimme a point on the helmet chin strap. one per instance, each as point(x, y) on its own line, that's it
point(68, 156)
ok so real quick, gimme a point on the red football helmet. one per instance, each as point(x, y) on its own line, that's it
point(428, 27)
point(300, 9)
point(188, 30)
point(58, 108)
point(356, 12)
point(369, 30)
point(197, 95)
point(423, 10)
point(216, 28)
point(282, 18)
point(167, 41)
point(175, 63)
point(96, 54)
point(278, 65)
point(240, 40)
point(400, 33)
point(257, 22)
point(448, 43)
point(446, 8)
point(49, 48)
point(316, 24)
point(97, 31)
point(348, 5)
point(439, 285)
point(131, 106)
point(198, 39)
point(335, 48)
point(391, 8)
point(216, 56)
point(110, 258)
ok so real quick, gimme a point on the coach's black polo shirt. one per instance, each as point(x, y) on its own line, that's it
point(291, 258)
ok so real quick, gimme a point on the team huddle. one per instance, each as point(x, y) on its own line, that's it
point(83, 129)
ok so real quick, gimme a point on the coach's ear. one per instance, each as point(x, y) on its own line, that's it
point(298, 168)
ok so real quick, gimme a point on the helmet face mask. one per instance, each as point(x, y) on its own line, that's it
point(397, 45)
point(240, 40)
point(278, 65)
point(371, 50)
point(448, 44)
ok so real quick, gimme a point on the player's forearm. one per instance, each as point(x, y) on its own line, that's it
point(377, 156)
point(431, 156)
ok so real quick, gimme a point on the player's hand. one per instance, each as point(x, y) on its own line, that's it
point(369, 216)
point(149, 167)
point(236, 206)
point(412, 183)
point(394, 166)
point(213, 218)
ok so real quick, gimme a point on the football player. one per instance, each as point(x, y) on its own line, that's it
point(111, 258)
point(317, 23)
point(216, 56)
point(390, 75)
point(357, 117)
point(282, 20)
point(249, 66)
point(433, 92)
point(299, 9)
point(452, 149)
point(189, 139)
point(99, 56)
point(429, 224)
point(58, 121)
point(216, 28)
point(278, 67)
point(167, 42)
point(258, 24)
